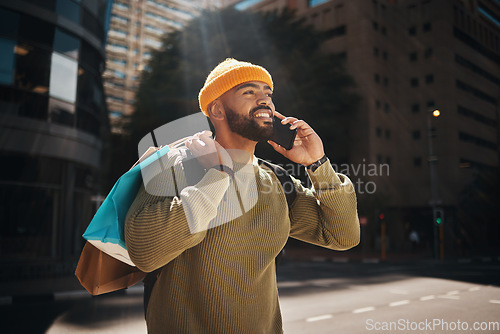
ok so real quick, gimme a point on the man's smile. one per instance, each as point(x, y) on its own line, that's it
point(263, 113)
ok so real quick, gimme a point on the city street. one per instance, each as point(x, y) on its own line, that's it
point(316, 297)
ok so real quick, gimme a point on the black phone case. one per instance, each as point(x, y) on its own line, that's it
point(282, 135)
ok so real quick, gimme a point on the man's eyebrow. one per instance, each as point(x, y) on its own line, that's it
point(252, 85)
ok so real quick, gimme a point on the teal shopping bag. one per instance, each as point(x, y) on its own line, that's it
point(106, 230)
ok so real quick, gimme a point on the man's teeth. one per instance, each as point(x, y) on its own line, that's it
point(262, 114)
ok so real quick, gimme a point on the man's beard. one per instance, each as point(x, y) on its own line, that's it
point(247, 126)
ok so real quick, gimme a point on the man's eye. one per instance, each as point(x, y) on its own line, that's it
point(249, 92)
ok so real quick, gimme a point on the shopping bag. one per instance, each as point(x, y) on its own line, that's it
point(100, 273)
point(106, 230)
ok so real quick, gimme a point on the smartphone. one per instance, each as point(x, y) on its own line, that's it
point(282, 135)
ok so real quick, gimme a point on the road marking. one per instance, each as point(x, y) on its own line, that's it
point(493, 301)
point(399, 292)
point(454, 292)
point(399, 303)
point(427, 297)
point(449, 297)
point(320, 317)
point(474, 288)
point(364, 309)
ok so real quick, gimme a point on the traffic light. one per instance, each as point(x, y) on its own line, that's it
point(436, 113)
point(438, 216)
point(381, 217)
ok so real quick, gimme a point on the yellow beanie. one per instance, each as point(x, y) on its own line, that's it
point(227, 75)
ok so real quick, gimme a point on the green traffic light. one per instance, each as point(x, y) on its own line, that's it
point(438, 220)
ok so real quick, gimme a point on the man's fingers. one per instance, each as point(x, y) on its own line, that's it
point(279, 115)
point(277, 147)
point(298, 124)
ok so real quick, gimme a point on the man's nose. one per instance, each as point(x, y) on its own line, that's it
point(264, 99)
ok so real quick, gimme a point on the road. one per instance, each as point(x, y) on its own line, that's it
point(316, 297)
point(390, 303)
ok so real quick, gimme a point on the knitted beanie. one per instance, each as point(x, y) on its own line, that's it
point(227, 75)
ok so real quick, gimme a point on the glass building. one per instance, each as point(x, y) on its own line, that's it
point(53, 120)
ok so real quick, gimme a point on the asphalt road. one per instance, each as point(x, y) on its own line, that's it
point(391, 303)
point(316, 297)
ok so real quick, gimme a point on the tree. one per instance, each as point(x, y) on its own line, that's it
point(308, 83)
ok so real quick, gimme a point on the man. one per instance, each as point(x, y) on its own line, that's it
point(220, 278)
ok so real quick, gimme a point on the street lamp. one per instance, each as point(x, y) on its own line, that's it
point(435, 201)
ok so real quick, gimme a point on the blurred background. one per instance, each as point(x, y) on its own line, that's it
point(404, 93)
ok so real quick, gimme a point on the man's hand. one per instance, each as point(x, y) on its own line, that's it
point(307, 148)
point(208, 152)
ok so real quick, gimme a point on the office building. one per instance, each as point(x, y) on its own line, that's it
point(53, 118)
point(409, 58)
point(136, 29)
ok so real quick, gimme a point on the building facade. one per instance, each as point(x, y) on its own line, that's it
point(409, 58)
point(53, 118)
point(136, 29)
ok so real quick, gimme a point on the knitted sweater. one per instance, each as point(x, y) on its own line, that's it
point(220, 277)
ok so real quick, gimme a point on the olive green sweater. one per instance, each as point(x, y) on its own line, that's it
point(219, 273)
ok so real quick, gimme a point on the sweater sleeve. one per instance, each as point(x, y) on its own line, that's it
point(326, 214)
point(159, 228)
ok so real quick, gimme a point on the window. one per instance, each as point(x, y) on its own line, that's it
point(468, 138)
point(413, 56)
point(312, 3)
point(387, 134)
point(378, 132)
point(416, 134)
point(431, 104)
point(412, 31)
point(36, 31)
point(427, 27)
point(63, 77)
point(7, 61)
point(61, 112)
point(380, 159)
point(377, 104)
point(384, 55)
point(66, 43)
point(32, 68)
point(87, 121)
point(476, 92)
point(119, 74)
point(377, 78)
point(375, 51)
point(121, 6)
point(119, 19)
point(375, 26)
point(335, 32)
point(429, 78)
point(414, 82)
point(417, 161)
point(115, 113)
point(119, 62)
point(386, 82)
point(383, 30)
point(69, 9)
point(9, 23)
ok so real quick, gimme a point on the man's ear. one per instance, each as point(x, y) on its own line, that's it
point(216, 110)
